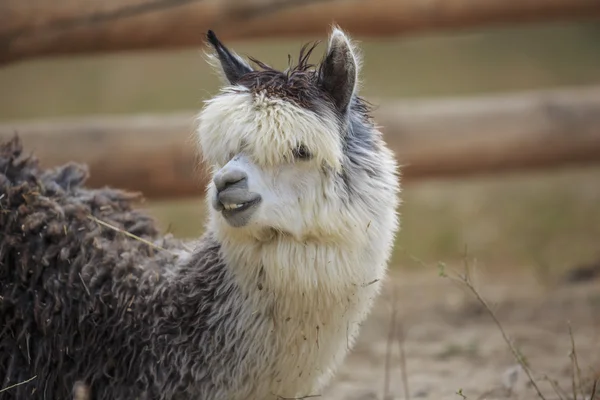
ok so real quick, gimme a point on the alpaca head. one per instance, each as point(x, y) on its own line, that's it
point(294, 152)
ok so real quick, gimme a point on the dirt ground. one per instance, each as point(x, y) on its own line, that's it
point(454, 350)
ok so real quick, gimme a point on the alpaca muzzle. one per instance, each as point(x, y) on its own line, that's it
point(233, 199)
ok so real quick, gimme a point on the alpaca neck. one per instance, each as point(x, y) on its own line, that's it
point(313, 295)
point(314, 283)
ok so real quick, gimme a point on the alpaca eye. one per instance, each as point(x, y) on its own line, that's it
point(301, 153)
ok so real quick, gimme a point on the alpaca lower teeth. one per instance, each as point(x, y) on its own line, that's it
point(232, 206)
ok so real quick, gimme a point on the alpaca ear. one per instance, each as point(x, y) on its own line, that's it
point(339, 70)
point(231, 66)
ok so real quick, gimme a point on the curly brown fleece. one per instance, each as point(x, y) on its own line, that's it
point(82, 302)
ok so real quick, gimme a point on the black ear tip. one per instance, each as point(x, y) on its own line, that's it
point(212, 38)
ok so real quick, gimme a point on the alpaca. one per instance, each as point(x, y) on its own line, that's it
point(301, 221)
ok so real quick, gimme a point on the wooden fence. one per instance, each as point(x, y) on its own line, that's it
point(432, 138)
point(36, 28)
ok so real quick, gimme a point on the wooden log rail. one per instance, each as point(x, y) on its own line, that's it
point(36, 28)
point(432, 138)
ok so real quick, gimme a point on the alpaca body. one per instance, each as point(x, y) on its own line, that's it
point(142, 341)
point(302, 218)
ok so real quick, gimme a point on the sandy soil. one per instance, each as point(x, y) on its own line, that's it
point(451, 343)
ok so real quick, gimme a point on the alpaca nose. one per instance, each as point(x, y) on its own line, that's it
point(228, 177)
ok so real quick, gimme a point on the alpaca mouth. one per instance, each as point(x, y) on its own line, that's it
point(236, 205)
point(232, 208)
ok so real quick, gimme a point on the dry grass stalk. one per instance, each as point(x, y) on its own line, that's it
point(18, 384)
point(299, 398)
point(388, 352)
point(131, 235)
point(468, 283)
point(556, 387)
point(403, 369)
point(577, 383)
point(576, 371)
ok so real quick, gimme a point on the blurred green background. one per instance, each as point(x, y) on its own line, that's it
point(548, 220)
